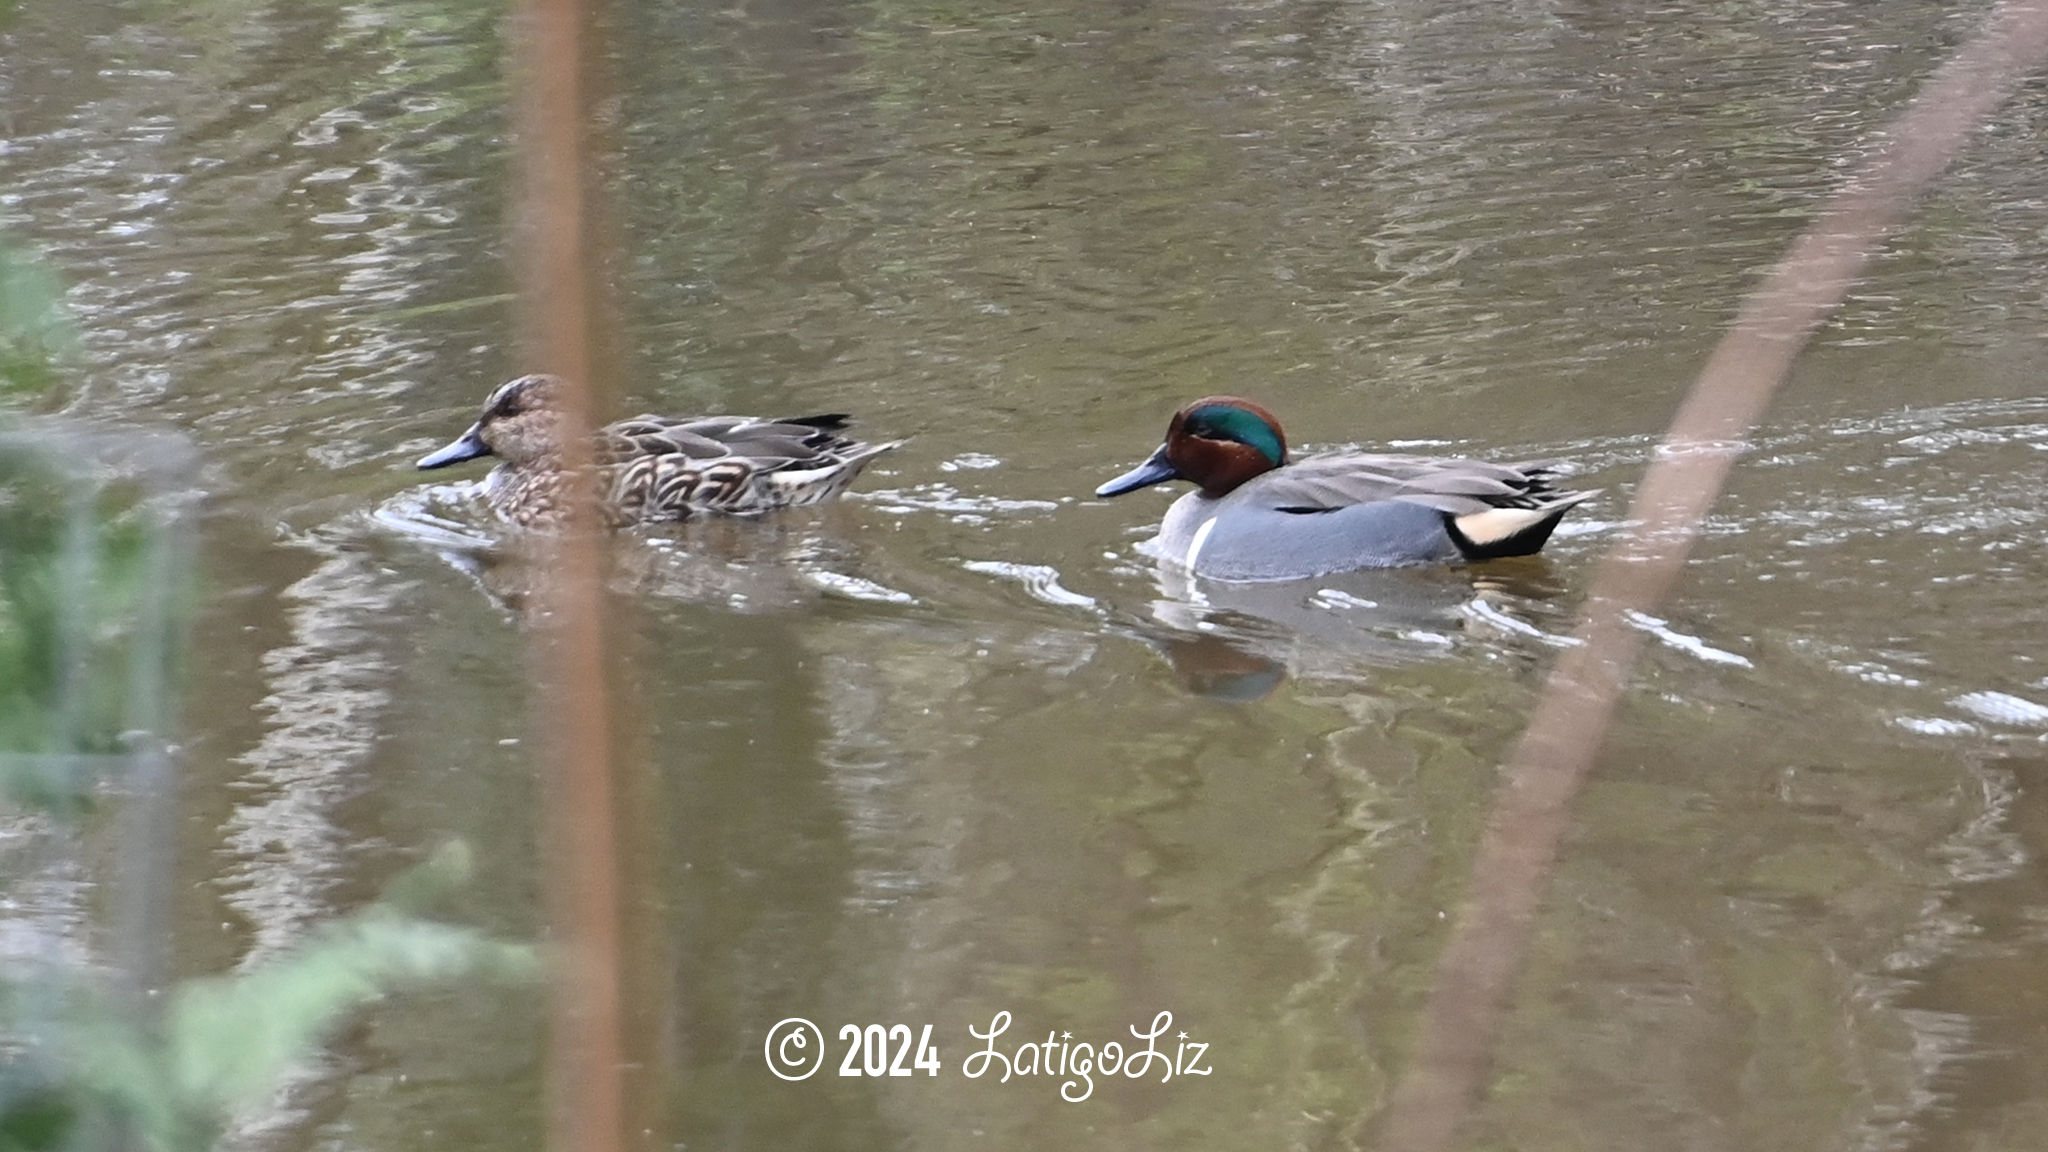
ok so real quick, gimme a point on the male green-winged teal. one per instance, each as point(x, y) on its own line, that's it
point(653, 468)
point(1257, 516)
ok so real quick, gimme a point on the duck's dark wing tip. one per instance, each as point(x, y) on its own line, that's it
point(830, 421)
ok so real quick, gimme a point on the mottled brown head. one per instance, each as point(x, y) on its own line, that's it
point(1218, 442)
point(521, 423)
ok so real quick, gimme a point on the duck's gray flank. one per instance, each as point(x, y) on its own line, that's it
point(1259, 515)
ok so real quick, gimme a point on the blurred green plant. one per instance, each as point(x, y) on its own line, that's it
point(36, 332)
point(93, 573)
point(91, 609)
point(95, 565)
point(70, 555)
point(76, 563)
point(97, 1071)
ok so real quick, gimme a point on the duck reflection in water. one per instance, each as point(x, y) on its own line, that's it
point(1239, 642)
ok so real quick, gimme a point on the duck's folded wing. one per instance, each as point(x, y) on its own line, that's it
point(786, 442)
point(768, 444)
point(1456, 486)
point(650, 436)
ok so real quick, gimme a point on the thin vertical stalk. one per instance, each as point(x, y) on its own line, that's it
point(586, 1096)
point(1546, 768)
point(76, 610)
point(147, 884)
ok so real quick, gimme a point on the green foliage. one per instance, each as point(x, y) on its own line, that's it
point(89, 601)
point(36, 1113)
point(72, 560)
point(227, 1040)
point(224, 1041)
point(35, 330)
point(76, 571)
point(91, 593)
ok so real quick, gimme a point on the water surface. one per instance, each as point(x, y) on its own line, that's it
point(953, 748)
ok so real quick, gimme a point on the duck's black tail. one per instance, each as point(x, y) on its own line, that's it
point(1501, 532)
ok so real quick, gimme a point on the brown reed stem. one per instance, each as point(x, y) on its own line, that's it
point(585, 901)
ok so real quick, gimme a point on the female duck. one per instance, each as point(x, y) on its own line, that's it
point(653, 468)
point(1255, 516)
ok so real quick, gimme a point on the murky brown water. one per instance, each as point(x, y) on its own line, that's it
point(949, 749)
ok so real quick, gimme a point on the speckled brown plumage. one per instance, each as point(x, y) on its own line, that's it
point(656, 468)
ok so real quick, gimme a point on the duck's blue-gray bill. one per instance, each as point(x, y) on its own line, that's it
point(467, 446)
point(1155, 470)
